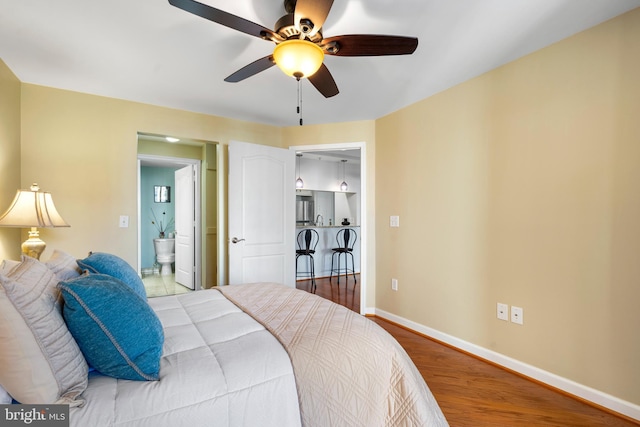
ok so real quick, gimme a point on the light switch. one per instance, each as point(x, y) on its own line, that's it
point(124, 221)
point(394, 221)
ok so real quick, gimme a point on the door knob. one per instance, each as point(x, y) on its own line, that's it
point(236, 240)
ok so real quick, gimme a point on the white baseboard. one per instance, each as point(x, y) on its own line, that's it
point(584, 392)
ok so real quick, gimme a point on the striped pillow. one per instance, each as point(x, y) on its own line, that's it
point(40, 363)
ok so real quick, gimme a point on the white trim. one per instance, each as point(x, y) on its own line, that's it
point(364, 241)
point(582, 391)
point(369, 311)
point(139, 192)
point(198, 225)
point(221, 173)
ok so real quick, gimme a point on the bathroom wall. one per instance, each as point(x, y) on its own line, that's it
point(150, 177)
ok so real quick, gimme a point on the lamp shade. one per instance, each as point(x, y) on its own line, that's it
point(32, 208)
point(298, 58)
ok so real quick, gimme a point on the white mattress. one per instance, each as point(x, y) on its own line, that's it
point(219, 367)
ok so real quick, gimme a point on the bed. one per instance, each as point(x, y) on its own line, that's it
point(261, 355)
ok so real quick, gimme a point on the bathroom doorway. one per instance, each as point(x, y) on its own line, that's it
point(159, 158)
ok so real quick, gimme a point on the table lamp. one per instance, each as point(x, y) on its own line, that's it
point(32, 208)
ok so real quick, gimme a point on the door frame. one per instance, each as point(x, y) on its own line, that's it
point(175, 162)
point(364, 223)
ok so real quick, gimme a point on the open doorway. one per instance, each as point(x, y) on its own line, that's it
point(323, 169)
point(161, 165)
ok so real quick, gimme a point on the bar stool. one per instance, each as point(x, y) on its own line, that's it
point(346, 239)
point(307, 241)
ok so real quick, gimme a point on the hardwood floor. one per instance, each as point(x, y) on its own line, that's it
point(472, 392)
point(348, 296)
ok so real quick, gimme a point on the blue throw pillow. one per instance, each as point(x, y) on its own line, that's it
point(116, 330)
point(99, 262)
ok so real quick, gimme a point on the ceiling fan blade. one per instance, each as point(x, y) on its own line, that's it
point(323, 81)
point(314, 10)
point(252, 69)
point(223, 18)
point(370, 45)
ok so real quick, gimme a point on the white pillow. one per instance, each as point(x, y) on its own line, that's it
point(63, 265)
point(5, 399)
point(40, 362)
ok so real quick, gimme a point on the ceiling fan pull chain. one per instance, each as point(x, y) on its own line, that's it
point(300, 100)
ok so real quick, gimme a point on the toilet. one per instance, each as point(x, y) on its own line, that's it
point(165, 255)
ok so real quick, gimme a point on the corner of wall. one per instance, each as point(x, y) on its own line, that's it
point(10, 104)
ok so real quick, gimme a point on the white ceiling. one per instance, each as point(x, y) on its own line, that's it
point(152, 52)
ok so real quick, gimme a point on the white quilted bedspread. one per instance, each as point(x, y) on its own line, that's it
point(349, 371)
point(219, 368)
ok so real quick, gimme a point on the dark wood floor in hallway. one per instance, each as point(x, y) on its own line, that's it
point(472, 392)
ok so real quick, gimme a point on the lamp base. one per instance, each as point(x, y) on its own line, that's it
point(33, 246)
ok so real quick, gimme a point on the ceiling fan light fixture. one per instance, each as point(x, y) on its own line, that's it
point(298, 58)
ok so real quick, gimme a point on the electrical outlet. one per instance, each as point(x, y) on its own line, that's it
point(394, 284)
point(517, 315)
point(503, 311)
point(394, 221)
point(124, 221)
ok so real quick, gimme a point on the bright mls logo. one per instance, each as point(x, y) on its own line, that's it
point(34, 415)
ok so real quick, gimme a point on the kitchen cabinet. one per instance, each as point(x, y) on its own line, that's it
point(346, 206)
point(326, 208)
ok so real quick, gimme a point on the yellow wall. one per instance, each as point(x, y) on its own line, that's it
point(522, 186)
point(168, 149)
point(362, 132)
point(83, 149)
point(9, 157)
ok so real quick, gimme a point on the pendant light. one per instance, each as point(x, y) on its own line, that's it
point(344, 186)
point(299, 181)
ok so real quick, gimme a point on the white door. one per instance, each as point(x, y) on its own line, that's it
point(185, 223)
point(261, 214)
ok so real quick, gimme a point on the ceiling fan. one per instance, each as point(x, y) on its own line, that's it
point(300, 45)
